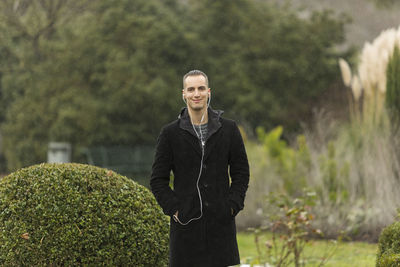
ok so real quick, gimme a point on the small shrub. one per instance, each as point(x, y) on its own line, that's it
point(74, 214)
point(389, 246)
point(290, 223)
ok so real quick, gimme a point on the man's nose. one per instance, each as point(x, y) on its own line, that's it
point(196, 92)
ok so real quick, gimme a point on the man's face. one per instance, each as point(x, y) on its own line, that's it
point(196, 92)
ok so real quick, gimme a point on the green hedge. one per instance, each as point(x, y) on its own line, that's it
point(389, 247)
point(74, 214)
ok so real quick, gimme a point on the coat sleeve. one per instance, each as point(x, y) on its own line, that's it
point(238, 171)
point(160, 175)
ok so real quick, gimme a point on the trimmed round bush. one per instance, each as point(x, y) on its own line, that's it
point(389, 247)
point(74, 214)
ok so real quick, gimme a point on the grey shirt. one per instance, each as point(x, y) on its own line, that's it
point(202, 131)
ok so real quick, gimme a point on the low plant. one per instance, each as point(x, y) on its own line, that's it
point(290, 223)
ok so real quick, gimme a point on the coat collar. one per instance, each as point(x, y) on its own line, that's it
point(214, 124)
point(213, 121)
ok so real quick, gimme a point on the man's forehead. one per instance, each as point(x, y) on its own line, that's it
point(195, 80)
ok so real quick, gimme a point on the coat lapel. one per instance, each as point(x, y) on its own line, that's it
point(187, 132)
point(214, 126)
point(210, 144)
point(193, 141)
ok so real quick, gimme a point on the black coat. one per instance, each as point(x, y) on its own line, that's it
point(211, 240)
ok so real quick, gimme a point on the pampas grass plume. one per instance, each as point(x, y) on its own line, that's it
point(346, 71)
point(356, 88)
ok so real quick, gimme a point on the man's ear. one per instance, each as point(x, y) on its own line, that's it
point(183, 96)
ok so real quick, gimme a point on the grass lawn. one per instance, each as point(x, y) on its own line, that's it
point(345, 254)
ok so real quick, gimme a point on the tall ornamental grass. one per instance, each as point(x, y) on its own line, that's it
point(352, 166)
point(369, 82)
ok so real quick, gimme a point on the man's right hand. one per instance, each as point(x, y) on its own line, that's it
point(175, 216)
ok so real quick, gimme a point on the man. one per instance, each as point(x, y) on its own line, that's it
point(202, 149)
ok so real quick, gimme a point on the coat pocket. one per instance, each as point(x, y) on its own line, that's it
point(188, 209)
point(224, 213)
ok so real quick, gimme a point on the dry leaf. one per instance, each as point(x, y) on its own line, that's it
point(25, 236)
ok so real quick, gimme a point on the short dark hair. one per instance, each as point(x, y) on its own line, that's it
point(194, 73)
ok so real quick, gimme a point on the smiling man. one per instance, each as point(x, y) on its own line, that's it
point(208, 159)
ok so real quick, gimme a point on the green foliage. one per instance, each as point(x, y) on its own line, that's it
point(334, 177)
point(389, 246)
point(251, 51)
point(292, 165)
point(393, 83)
point(389, 260)
point(94, 83)
point(109, 72)
point(72, 214)
point(291, 226)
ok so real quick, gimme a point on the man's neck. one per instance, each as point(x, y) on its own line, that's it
point(196, 116)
